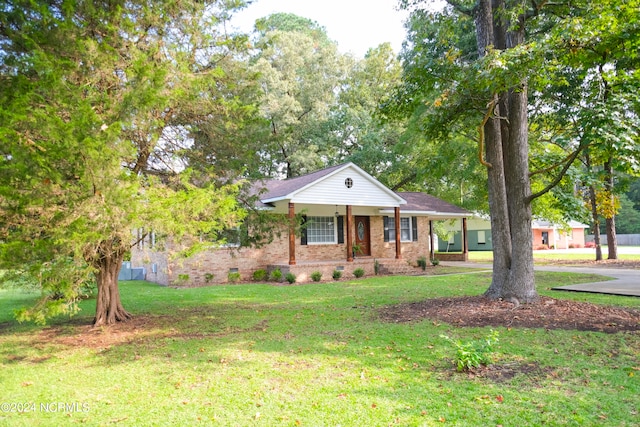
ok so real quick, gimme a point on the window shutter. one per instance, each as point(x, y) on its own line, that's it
point(385, 222)
point(303, 231)
point(340, 225)
point(414, 228)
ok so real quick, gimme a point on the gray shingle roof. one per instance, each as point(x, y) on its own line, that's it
point(423, 202)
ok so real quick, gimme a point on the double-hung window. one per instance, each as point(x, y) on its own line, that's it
point(408, 229)
point(321, 229)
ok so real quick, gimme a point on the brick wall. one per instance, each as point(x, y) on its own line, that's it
point(213, 266)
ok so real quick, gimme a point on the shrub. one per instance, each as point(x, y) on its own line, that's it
point(291, 278)
point(422, 262)
point(275, 275)
point(208, 277)
point(358, 272)
point(316, 276)
point(435, 261)
point(337, 274)
point(260, 275)
point(181, 280)
point(472, 354)
point(376, 267)
point(234, 277)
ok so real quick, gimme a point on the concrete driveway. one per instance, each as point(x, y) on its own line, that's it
point(625, 281)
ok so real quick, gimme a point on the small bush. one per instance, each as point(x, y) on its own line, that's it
point(316, 276)
point(358, 272)
point(473, 354)
point(260, 275)
point(275, 275)
point(233, 277)
point(337, 274)
point(181, 280)
point(291, 278)
point(208, 277)
point(376, 267)
point(435, 261)
point(422, 262)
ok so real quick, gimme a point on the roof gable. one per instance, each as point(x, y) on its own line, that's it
point(344, 184)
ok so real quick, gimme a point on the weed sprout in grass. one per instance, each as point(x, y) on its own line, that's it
point(473, 354)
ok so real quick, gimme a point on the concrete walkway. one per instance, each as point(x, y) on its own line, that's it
point(624, 282)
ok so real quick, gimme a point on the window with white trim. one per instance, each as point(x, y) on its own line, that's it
point(482, 238)
point(321, 229)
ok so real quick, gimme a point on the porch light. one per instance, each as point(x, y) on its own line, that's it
point(337, 213)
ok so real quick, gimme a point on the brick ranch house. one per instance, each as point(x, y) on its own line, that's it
point(343, 208)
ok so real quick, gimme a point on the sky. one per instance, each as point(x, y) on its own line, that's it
point(356, 25)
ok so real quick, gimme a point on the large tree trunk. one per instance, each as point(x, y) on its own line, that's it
point(507, 149)
point(109, 309)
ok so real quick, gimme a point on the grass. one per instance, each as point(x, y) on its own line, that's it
point(309, 355)
point(547, 256)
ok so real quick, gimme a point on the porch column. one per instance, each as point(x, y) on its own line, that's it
point(396, 211)
point(292, 234)
point(349, 224)
point(465, 243)
point(432, 251)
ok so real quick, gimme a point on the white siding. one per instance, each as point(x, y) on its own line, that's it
point(333, 191)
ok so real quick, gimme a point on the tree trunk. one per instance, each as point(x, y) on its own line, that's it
point(109, 309)
point(596, 222)
point(610, 220)
point(594, 210)
point(507, 149)
point(498, 209)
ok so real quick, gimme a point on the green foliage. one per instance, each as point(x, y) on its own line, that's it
point(376, 267)
point(182, 280)
point(473, 354)
point(275, 275)
point(316, 276)
point(260, 275)
point(337, 274)
point(208, 277)
point(358, 272)
point(290, 277)
point(92, 98)
point(233, 277)
point(435, 261)
point(422, 262)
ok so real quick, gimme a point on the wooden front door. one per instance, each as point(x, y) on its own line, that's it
point(362, 236)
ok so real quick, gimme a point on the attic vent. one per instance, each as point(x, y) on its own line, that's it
point(348, 183)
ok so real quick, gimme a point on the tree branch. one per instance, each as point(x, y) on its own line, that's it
point(487, 115)
point(552, 184)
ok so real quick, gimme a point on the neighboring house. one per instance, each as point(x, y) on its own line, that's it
point(553, 236)
point(546, 235)
point(343, 208)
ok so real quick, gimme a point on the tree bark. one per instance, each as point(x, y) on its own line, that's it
point(109, 309)
point(594, 211)
point(507, 150)
point(610, 220)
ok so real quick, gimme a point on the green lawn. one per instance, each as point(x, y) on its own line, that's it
point(542, 257)
point(309, 355)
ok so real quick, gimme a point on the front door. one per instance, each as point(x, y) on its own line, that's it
point(362, 236)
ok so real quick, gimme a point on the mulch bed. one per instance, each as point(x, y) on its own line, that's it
point(548, 313)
